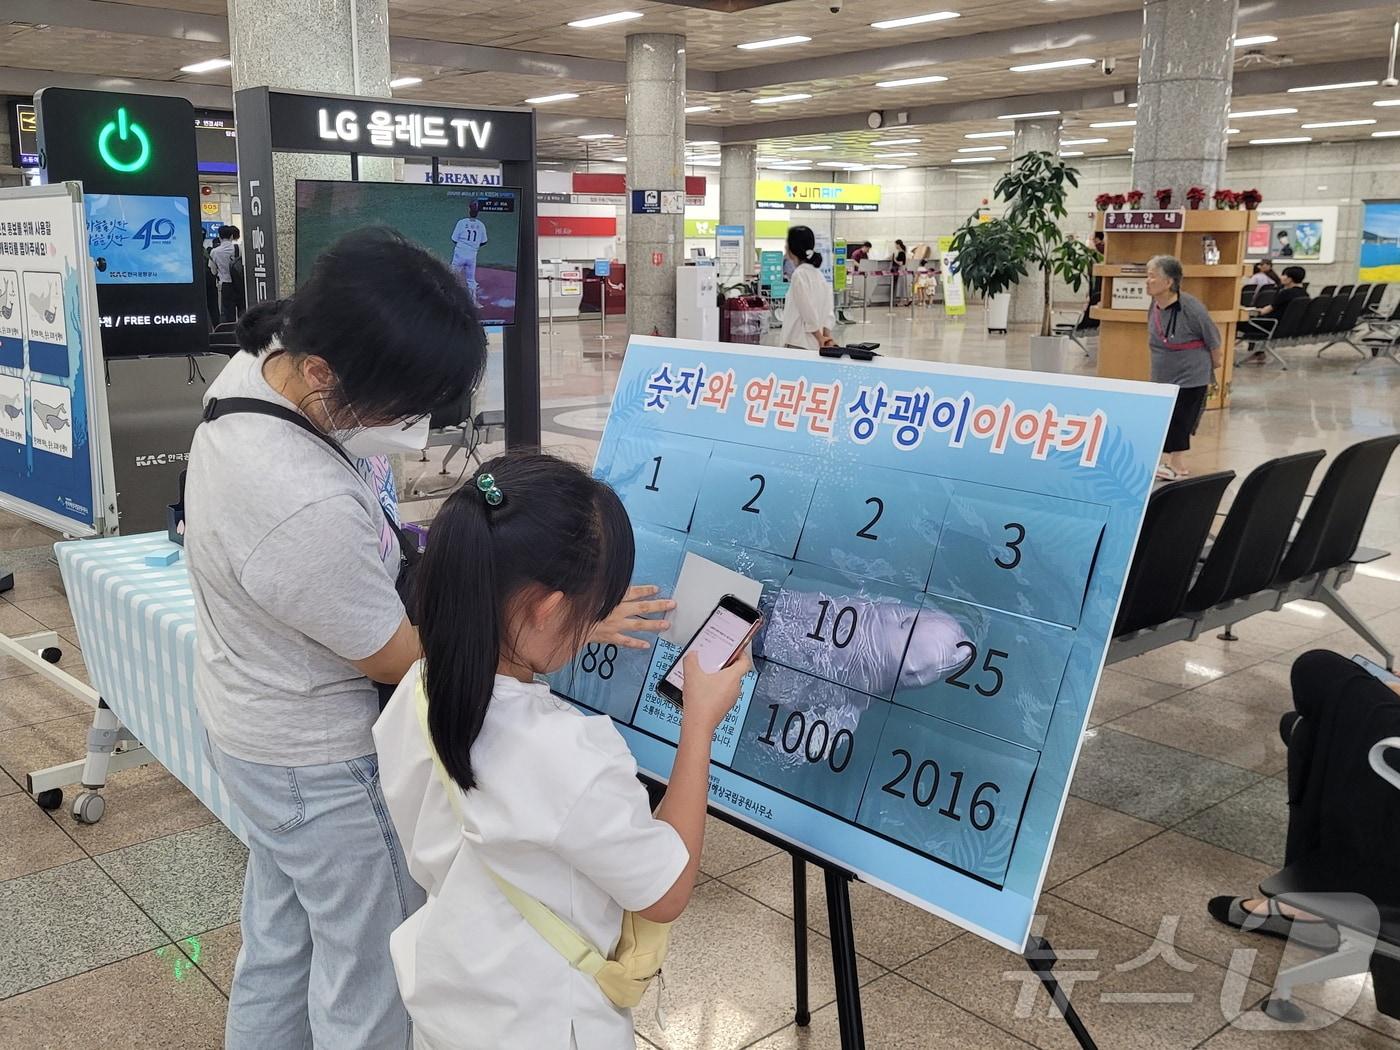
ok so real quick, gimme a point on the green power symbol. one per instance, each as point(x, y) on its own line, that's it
point(125, 130)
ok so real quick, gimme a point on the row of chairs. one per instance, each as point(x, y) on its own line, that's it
point(1181, 583)
point(1259, 295)
point(1330, 318)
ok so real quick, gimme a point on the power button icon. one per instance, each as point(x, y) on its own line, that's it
point(123, 144)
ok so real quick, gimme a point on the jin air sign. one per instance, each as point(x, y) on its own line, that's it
point(818, 196)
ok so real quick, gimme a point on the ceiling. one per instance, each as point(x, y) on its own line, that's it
point(467, 51)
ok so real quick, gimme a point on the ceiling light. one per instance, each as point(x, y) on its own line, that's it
point(1027, 116)
point(702, 142)
point(773, 100)
point(906, 81)
point(1081, 142)
point(989, 134)
point(208, 66)
point(981, 149)
point(842, 164)
point(1132, 105)
point(896, 142)
point(1232, 131)
point(1387, 102)
point(1280, 142)
point(1332, 87)
point(595, 138)
point(1384, 134)
point(777, 41)
point(890, 167)
point(810, 149)
point(1281, 112)
point(698, 109)
point(1250, 41)
point(702, 162)
point(973, 160)
point(1063, 63)
point(1071, 153)
point(618, 160)
point(1115, 124)
point(563, 96)
point(605, 20)
point(405, 81)
point(1337, 124)
point(914, 20)
point(893, 156)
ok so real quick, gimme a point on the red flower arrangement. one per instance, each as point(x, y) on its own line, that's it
point(1251, 199)
point(1102, 201)
point(1194, 196)
point(1164, 198)
point(1134, 198)
point(1227, 199)
point(1119, 200)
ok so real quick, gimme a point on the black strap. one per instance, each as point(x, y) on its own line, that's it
point(217, 407)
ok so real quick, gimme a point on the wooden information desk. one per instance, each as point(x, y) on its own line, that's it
point(1123, 352)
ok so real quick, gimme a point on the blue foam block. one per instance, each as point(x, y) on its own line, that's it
point(163, 559)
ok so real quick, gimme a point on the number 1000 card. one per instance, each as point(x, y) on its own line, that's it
point(941, 550)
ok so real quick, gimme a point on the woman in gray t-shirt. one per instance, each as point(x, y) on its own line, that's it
point(1185, 347)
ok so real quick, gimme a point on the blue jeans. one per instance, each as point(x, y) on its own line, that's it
point(326, 884)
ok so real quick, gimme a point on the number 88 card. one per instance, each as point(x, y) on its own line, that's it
point(941, 551)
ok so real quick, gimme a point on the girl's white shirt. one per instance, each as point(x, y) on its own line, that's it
point(809, 307)
point(558, 811)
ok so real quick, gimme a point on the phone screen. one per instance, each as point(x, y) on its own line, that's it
point(716, 642)
point(1388, 677)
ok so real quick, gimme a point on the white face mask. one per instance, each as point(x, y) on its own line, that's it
point(407, 436)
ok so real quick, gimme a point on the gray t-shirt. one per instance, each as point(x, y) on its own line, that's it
point(292, 581)
point(1181, 339)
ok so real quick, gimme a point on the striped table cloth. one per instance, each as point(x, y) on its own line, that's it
point(136, 625)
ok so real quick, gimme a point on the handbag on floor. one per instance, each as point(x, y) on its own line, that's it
point(641, 948)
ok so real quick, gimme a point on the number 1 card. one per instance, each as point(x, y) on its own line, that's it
point(938, 552)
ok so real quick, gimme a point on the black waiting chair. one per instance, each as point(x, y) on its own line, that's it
point(1344, 292)
point(1247, 552)
point(1362, 292)
point(1247, 294)
point(1328, 289)
point(1382, 337)
point(1267, 333)
point(1373, 301)
point(1345, 324)
point(1174, 529)
point(1265, 295)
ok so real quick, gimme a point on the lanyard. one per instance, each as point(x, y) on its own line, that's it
point(1194, 344)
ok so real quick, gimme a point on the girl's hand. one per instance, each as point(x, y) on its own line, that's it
point(707, 697)
point(633, 615)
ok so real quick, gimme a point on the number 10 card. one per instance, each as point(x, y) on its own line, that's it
point(941, 550)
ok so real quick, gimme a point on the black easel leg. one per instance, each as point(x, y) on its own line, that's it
point(843, 959)
point(1040, 957)
point(799, 938)
point(7, 581)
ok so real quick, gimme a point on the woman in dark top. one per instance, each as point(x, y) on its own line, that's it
point(1185, 346)
point(898, 264)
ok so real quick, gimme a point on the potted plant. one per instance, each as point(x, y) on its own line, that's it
point(994, 255)
point(1119, 200)
point(1194, 196)
point(1251, 199)
point(1102, 201)
point(1135, 199)
point(1164, 199)
point(1227, 200)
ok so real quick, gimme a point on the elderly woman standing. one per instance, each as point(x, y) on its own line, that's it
point(1185, 347)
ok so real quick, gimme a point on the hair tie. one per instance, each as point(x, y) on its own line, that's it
point(486, 485)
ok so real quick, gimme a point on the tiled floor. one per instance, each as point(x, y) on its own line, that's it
point(124, 934)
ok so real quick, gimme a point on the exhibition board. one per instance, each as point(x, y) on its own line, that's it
point(941, 551)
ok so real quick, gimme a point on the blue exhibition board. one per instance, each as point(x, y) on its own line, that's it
point(942, 548)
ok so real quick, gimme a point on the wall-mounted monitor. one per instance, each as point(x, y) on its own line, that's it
point(24, 132)
point(215, 142)
point(136, 239)
point(474, 229)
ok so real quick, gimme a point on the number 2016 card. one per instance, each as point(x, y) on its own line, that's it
point(938, 552)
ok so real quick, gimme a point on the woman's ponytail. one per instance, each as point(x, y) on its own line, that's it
point(460, 628)
point(815, 258)
point(260, 325)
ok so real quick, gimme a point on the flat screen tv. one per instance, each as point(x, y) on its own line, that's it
point(474, 229)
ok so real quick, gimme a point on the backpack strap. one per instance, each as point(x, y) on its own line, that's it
point(562, 937)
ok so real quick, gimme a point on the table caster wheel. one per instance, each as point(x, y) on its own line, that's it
point(51, 799)
point(88, 807)
point(51, 653)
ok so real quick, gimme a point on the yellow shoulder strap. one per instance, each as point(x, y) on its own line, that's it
point(567, 941)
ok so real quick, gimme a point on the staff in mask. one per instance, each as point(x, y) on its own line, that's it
point(293, 559)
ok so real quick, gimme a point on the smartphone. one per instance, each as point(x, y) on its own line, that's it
point(1388, 677)
point(720, 639)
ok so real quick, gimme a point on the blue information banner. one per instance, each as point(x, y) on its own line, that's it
point(137, 239)
point(942, 551)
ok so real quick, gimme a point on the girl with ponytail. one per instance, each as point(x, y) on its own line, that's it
point(809, 312)
point(521, 566)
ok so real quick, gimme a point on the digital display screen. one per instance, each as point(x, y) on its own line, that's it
point(714, 644)
point(139, 240)
point(474, 229)
point(24, 129)
point(215, 142)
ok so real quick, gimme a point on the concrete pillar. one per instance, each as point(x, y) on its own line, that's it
point(1183, 95)
point(738, 174)
point(655, 161)
point(1033, 135)
point(337, 47)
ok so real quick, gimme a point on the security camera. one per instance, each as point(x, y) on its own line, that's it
point(836, 6)
point(1108, 66)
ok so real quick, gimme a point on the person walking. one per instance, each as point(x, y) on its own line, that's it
point(809, 312)
point(1185, 348)
point(225, 263)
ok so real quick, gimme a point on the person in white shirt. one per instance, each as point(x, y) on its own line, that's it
point(467, 238)
point(809, 312)
point(519, 568)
